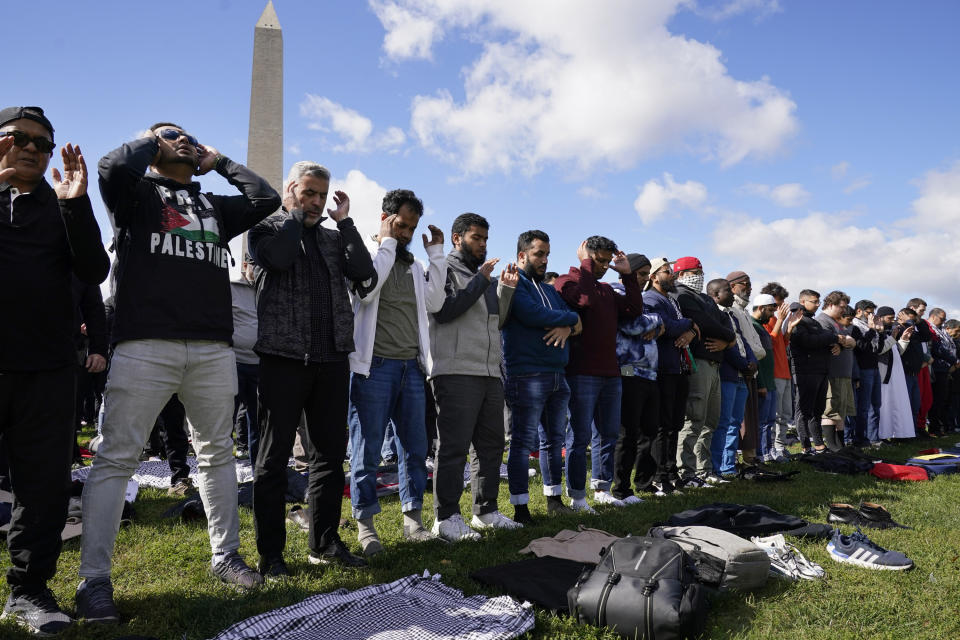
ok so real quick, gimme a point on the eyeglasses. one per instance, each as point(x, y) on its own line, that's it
point(173, 135)
point(22, 139)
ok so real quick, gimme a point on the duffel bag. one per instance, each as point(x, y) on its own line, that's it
point(722, 558)
point(642, 588)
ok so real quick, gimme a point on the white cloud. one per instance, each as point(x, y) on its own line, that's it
point(822, 250)
point(366, 201)
point(763, 8)
point(939, 201)
point(839, 170)
point(791, 194)
point(591, 192)
point(294, 149)
point(657, 197)
point(555, 83)
point(856, 185)
point(354, 129)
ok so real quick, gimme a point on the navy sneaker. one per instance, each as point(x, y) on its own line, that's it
point(859, 550)
point(95, 601)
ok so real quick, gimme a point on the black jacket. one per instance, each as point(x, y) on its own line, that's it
point(283, 282)
point(89, 309)
point(173, 278)
point(704, 312)
point(42, 242)
point(869, 346)
point(913, 356)
point(810, 345)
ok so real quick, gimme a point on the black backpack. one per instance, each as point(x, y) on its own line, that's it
point(643, 588)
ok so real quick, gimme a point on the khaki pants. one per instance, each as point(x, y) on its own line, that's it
point(703, 413)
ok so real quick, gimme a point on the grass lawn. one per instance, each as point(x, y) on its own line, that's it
point(163, 587)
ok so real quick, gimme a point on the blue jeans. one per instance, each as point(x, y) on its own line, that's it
point(530, 398)
point(868, 406)
point(594, 400)
point(768, 422)
point(389, 448)
point(393, 390)
point(723, 448)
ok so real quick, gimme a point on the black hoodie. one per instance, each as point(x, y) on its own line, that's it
point(173, 272)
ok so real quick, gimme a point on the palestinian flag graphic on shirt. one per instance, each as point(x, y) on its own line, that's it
point(188, 216)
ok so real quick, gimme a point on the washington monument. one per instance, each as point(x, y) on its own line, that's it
point(265, 140)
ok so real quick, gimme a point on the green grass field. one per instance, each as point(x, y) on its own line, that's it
point(163, 587)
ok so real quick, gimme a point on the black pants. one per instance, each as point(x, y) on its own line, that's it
point(751, 421)
point(287, 389)
point(248, 433)
point(469, 419)
point(36, 424)
point(639, 431)
point(674, 389)
point(940, 410)
point(170, 436)
point(811, 401)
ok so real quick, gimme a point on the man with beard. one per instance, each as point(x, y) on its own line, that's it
point(172, 328)
point(673, 371)
point(763, 307)
point(839, 401)
point(465, 345)
point(742, 289)
point(593, 373)
point(535, 354)
point(896, 413)
point(811, 346)
point(304, 335)
point(703, 402)
point(914, 356)
point(392, 340)
point(944, 357)
point(924, 376)
point(868, 332)
point(738, 364)
point(782, 377)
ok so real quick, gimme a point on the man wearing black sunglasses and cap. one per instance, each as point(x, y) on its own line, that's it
point(172, 332)
point(46, 233)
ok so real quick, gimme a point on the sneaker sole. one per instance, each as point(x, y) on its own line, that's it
point(844, 559)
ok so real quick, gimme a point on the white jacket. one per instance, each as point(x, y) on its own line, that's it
point(428, 287)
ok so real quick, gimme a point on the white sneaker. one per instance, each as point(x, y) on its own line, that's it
point(714, 479)
point(494, 520)
point(605, 497)
point(580, 505)
point(786, 561)
point(454, 529)
point(632, 499)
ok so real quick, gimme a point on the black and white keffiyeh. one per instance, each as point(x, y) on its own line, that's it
point(412, 608)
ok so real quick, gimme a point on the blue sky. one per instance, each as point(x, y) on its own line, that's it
point(810, 142)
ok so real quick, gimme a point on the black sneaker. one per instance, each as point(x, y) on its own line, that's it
point(273, 568)
point(234, 571)
point(337, 553)
point(95, 601)
point(521, 514)
point(38, 612)
point(841, 513)
point(555, 507)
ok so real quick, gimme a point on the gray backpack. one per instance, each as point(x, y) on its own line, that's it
point(722, 558)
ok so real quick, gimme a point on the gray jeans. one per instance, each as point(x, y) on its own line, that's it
point(784, 412)
point(703, 413)
point(469, 419)
point(143, 376)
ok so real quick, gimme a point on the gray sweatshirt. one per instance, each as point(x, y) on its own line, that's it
point(244, 296)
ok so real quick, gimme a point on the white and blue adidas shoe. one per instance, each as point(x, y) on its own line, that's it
point(859, 550)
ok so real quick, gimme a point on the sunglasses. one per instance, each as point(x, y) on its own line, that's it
point(173, 135)
point(22, 139)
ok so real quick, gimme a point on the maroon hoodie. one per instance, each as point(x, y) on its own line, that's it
point(594, 352)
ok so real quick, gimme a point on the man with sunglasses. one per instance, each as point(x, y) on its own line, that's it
point(47, 233)
point(172, 332)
